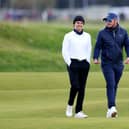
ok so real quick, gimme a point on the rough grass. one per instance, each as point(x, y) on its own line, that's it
point(38, 101)
point(36, 46)
point(30, 48)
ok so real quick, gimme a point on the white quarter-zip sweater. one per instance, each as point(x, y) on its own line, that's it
point(76, 46)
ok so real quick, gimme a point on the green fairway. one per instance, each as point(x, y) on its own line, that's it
point(38, 101)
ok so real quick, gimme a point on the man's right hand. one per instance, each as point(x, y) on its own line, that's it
point(96, 61)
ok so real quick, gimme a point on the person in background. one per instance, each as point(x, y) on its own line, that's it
point(109, 44)
point(76, 51)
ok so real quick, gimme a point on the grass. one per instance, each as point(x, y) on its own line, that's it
point(36, 47)
point(30, 47)
point(38, 100)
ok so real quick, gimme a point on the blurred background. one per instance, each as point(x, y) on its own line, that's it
point(61, 10)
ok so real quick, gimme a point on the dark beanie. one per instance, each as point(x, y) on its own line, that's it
point(78, 18)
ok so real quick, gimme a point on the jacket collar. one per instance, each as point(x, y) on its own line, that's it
point(112, 29)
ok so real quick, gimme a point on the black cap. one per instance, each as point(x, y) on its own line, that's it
point(78, 18)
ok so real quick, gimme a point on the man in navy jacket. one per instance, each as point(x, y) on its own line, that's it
point(109, 44)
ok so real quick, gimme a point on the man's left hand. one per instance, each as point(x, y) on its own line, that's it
point(127, 60)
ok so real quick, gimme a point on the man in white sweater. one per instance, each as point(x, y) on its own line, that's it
point(76, 51)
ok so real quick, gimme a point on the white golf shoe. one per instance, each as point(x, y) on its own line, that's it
point(80, 115)
point(112, 112)
point(69, 111)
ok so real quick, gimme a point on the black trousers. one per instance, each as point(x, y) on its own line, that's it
point(78, 73)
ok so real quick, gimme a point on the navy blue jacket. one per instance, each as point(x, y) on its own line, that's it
point(110, 43)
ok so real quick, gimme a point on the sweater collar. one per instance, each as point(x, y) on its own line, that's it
point(77, 32)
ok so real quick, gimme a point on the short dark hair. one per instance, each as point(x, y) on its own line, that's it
point(78, 18)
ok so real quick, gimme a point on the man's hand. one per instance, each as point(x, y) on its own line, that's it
point(96, 61)
point(127, 60)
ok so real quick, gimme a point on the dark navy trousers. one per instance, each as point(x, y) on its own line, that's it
point(112, 74)
point(78, 73)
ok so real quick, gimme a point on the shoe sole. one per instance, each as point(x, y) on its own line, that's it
point(80, 117)
point(68, 115)
point(114, 114)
